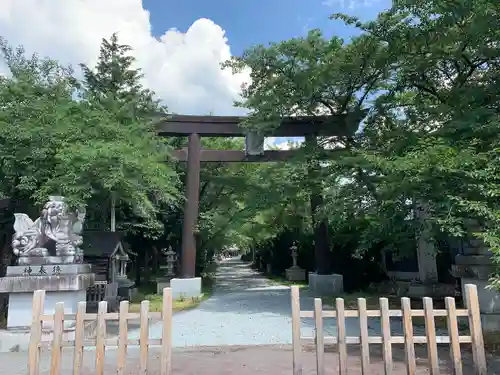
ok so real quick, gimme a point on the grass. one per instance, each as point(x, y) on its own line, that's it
point(280, 280)
point(148, 292)
point(156, 302)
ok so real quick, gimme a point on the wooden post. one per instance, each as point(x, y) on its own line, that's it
point(121, 358)
point(79, 336)
point(55, 363)
point(100, 337)
point(411, 366)
point(363, 333)
point(386, 335)
point(430, 333)
point(166, 337)
point(476, 332)
point(144, 338)
point(296, 342)
point(341, 336)
point(191, 207)
point(320, 345)
point(36, 333)
point(456, 355)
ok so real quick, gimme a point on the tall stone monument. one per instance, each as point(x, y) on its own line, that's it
point(49, 258)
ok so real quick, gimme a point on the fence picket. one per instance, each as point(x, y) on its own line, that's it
point(121, 358)
point(58, 328)
point(79, 337)
point(320, 346)
point(341, 334)
point(408, 335)
point(386, 335)
point(476, 332)
point(363, 332)
point(100, 338)
point(430, 333)
point(35, 332)
point(456, 356)
point(296, 343)
point(166, 338)
point(143, 341)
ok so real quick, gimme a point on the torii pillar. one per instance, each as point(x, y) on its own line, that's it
point(191, 208)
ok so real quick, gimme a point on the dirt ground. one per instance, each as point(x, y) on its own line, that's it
point(266, 360)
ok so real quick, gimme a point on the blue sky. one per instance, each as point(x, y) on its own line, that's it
point(260, 21)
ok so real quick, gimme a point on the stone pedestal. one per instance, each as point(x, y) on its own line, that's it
point(186, 288)
point(162, 283)
point(295, 274)
point(475, 266)
point(326, 285)
point(65, 283)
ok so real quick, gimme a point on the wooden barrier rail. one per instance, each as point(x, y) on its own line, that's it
point(454, 339)
point(100, 342)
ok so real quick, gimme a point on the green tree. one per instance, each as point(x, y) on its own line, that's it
point(86, 148)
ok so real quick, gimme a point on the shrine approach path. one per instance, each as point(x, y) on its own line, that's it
point(246, 308)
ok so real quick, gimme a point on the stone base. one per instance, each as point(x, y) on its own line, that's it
point(57, 277)
point(186, 288)
point(490, 323)
point(295, 274)
point(162, 283)
point(65, 283)
point(326, 285)
point(436, 290)
point(20, 306)
point(18, 340)
point(489, 299)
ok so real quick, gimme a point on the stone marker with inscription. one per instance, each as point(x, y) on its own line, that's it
point(49, 258)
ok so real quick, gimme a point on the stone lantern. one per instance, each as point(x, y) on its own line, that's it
point(295, 273)
point(169, 270)
point(171, 257)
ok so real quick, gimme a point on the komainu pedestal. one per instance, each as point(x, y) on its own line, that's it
point(66, 283)
point(49, 258)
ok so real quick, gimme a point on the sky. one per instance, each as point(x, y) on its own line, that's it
point(179, 45)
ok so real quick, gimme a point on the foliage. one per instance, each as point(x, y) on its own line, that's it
point(423, 79)
point(86, 148)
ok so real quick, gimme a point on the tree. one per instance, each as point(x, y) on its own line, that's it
point(426, 76)
point(86, 148)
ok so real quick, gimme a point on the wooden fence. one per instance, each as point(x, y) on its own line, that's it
point(454, 339)
point(100, 342)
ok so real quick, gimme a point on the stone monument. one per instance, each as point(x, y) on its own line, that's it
point(295, 273)
point(475, 266)
point(49, 258)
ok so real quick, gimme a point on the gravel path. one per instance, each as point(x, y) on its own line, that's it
point(248, 309)
point(245, 309)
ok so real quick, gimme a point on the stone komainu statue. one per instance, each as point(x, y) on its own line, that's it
point(57, 224)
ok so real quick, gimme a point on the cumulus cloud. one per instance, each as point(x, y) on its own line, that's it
point(183, 68)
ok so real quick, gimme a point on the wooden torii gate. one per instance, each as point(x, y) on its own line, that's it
point(195, 127)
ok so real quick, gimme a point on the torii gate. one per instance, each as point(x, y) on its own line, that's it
point(228, 126)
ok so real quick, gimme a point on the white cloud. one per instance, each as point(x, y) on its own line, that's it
point(183, 68)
